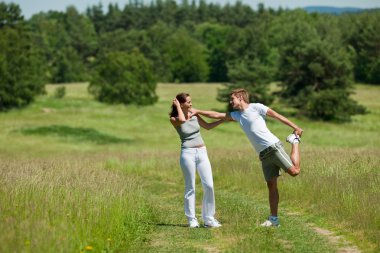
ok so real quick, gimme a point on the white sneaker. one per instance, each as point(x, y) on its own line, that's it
point(212, 223)
point(193, 223)
point(293, 138)
point(271, 222)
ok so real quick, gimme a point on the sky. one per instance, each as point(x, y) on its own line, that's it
point(30, 7)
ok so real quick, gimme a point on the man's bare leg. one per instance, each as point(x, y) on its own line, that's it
point(295, 156)
point(274, 197)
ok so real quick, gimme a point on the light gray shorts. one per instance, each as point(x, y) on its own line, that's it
point(272, 159)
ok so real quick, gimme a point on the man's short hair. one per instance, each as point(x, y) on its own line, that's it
point(241, 93)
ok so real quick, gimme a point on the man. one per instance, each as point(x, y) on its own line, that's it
point(251, 118)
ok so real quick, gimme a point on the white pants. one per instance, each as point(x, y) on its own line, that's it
point(197, 159)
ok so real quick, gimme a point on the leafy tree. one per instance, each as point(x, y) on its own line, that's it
point(122, 40)
point(252, 62)
point(366, 41)
point(150, 42)
point(68, 67)
point(249, 75)
point(49, 37)
point(96, 15)
point(133, 16)
point(215, 36)
point(311, 68)
point(67, 42)
point(158, 35)
point(112, 18)
point(188, 61)
point(124, 78)
point(10, 14)
point(183, 14)
point(203, 13)
point(239, 15)
point(81, 33)
point(168, 12)
point(20, 68)
point(332, 105)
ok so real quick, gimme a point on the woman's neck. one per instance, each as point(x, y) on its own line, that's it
point(186, 113)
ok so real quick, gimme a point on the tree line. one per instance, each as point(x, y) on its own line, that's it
point(125, 51)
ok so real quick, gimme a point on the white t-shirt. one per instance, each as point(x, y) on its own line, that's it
point(252, 121)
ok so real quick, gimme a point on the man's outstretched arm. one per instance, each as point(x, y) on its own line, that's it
point(297, 130)
point(212, 114)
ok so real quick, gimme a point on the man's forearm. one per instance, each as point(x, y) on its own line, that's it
point(212, 114)
point(214, 124)
point(296, 128)
point(285, 120)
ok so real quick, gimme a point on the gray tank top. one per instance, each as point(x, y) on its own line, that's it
point(189, 133)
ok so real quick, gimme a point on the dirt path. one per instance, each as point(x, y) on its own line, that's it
point(240, 215)
point(343, 245)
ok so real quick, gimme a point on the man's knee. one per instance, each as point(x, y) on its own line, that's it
point(272, 183)
point(294, 171)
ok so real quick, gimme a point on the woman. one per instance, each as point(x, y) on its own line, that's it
point(194, 157)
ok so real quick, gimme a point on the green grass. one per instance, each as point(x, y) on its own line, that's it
point(77, 173)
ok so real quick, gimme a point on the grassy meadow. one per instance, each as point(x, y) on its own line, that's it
point(80, 176)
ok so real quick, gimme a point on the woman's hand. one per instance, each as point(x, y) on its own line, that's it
point(176, 102)
point(193, 111)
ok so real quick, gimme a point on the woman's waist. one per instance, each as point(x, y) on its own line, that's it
point(196, 146)
point(192, 143)
point(194, 149)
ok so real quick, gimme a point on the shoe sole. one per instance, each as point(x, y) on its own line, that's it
point(208, 226)
point(275, 226)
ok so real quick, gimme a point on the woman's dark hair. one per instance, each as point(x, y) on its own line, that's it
point(181, 97)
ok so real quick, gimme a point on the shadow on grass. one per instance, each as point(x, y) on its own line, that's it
point(178, 225)
point(172, 225)
point(75, 134)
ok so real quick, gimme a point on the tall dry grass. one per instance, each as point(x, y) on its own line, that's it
point(85, 174)
point(69, 204)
